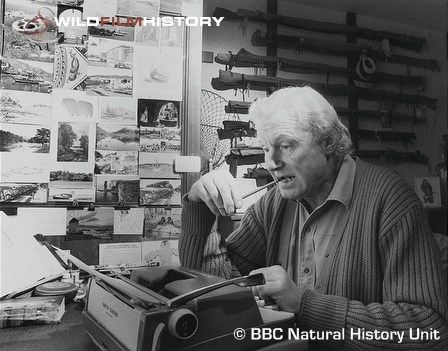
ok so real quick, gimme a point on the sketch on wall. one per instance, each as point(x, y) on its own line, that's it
point(25, 107)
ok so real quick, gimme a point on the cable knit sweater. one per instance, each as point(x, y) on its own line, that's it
point(383, 274)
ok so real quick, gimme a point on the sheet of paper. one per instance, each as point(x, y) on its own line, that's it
point(128, 254)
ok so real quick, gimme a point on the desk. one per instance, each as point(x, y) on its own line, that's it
point(69, 335)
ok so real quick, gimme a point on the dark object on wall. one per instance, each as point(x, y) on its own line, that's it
point(245, 58)
point(236, 129)
point(393, 156)
point(231, 80)
point(402, 40)
point(386, 135)
point(337, 48)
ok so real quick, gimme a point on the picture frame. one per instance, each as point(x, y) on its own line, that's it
point(428, 191)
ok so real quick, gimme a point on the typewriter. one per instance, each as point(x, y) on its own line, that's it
point(175, 308)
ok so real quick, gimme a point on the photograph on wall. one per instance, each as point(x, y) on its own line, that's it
point(71, 25)
point(162, 223)
point(150, 139)
point(171, 36)
point(129, 221)
point(24, 138)
point(116, 162)
point(32, 168)
point(99, 8)
point(141, 8)
point(170, 140)
point(25, 107)
point(26, 75)
point(104, 81)
point(158, 74)
point(70, 67)
point(117, 137)
point(24, 192)
point(73, 142)
point(28, 45)
point(156, 165)
point(173, 7)
point(110, 53)
point(428, 191)
point(147, 35)
point(117, 190)
point(118, 110)
point(109, 31)
point(160, 192)
point(74, 106)
point(160, 253)
point(71, 182)
point(158, 113)
point(97, 224)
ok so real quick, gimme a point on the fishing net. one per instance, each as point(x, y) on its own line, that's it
point(39, 29)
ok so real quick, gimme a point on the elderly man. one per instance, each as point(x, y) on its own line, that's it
point(343, 244)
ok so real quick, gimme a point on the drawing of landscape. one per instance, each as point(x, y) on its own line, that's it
point(118, 110)
point(73, 142)
point(138, 8)
point(117, 189)
point(156, 165)
point(160, 192)
point(117, 137)
point(23, 192)
point(74, 106)
point(108, 82)
point(23, 138)
point(23, 107)
point(34, 168)
point(116, 162)
point(162, 223)
point(97, 224)
point(110, 53)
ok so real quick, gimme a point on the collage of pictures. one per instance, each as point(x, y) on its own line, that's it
point(91, 114)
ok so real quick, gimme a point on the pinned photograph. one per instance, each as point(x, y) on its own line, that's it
point(170, 141)
point(171, 36)
point(24, 107)
point(162, 223)
point(99, 8)
point(35, 169)
point(74, 106)
point(172, 7)
point(147, 35)
point(70, 67)
point(150, 139)
point(116, 162)
point(117, 137)
point(141, 8)
point(156, 165)
point(117, 189)
point(110, 53)
point(118, 110)
point(97, 224)
point(428, 190)
point(108, 31)
point(26, 75)
point(73, 142)
point(71, 182)
point(160, 253)
point(158, 113)
point(24, 192)
point(71, 25)
point(160, 192)
point(24, 138)
point(158, 74)
point(104, 81)
point(25, 40)
point(129, 221)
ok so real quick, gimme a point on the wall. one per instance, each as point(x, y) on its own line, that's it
point(230, 37)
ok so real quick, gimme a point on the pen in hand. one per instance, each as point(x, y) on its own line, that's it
point(259, 189)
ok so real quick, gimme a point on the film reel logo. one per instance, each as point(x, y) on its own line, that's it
point(39, 29)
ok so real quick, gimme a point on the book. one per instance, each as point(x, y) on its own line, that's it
point(31, 311)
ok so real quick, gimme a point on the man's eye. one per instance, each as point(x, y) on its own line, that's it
point(285, 146)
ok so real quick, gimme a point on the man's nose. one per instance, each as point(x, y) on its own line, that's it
point(273, 160)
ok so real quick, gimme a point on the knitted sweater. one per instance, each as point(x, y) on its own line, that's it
point(383, 273)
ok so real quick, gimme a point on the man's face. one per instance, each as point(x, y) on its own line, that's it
point(299, 162)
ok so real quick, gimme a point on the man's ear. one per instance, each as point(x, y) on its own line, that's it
point(329, 147)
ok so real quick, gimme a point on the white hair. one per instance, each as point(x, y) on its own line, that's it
point(295, 110)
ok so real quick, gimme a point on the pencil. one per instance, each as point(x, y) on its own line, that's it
point(260, 188)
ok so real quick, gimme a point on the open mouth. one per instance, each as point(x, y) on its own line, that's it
point(286, 179)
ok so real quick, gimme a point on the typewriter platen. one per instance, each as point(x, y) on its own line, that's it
point(174, 311)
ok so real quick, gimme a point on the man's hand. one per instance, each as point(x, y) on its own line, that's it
point(218, 190)
point(279, 287)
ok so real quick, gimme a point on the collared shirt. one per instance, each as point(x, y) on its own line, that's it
point(313, 231)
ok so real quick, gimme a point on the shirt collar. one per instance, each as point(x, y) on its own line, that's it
point(342, 190)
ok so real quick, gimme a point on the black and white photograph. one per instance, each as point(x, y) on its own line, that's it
point(139, 8)
point(99, 8)
point(70, 67)
point(162, 223)
point(98, 223)
point(117, 189)
point(23, 192)
point(158, 113)
point(112, 32)
point(72, 27)
point(129, 221)
point(150, 139)
point(118, 110)
point(110, 53)
point(73, 142)
point(25, 107)
point(156, 165)
point(160, 192)
point(102, 81)
point(170, 140)
point(24, 138)
point(34, 169)
point(147, 35)
point(160, 253)
point(74, 106)
point(117, 137)
point(71, 182)
point(116, 162)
